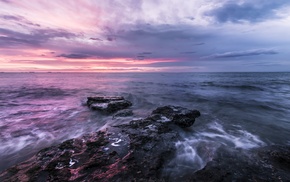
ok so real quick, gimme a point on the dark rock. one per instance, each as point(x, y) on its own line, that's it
point(271, 163)
point(178, 115)
point(124, 113)
point(278, 156)
point(137, 151)
point(108, 104)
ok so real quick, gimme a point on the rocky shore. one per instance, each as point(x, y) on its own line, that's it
point(139, 151)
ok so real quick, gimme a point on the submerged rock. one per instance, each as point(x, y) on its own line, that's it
point(178, 115)
point(108, 104)
point(124, 113)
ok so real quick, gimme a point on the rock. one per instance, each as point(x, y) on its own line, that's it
point(137, 151)
point(108, 104)
point(278, 156)
point(178, 115)
point(271, 163)
point(73, 160)
point(124, 113)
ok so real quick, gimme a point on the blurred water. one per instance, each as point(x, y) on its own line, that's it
point(239, 110)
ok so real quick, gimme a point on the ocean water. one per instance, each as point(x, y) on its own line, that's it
point(239, 111)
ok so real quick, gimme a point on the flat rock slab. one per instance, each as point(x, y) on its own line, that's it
point(108, 104)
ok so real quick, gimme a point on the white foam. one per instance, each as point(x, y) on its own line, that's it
point(189, 153)
point(192, 155)
point(100, 105)
point(151, 127)
point(164, 119)
point(73, 114)
point(72, 162)
point(239, 138)
point(193, 152)
point(116, 142)
point(136, 119)
point(59, 166)
point(16, 144)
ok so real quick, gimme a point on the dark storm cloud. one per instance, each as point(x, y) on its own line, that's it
point(236, 54)
point(251, 11)
point(10, 38)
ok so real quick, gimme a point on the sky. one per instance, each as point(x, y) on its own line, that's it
point(144, 35)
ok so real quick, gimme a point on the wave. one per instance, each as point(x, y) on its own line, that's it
point(194, 152)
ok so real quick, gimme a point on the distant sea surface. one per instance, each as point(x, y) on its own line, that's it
point(239, 111)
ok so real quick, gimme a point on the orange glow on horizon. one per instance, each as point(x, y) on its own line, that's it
point(43, 60)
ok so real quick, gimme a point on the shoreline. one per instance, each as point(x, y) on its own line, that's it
point(143, 150)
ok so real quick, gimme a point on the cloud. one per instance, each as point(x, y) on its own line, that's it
point(188, 52)
point(140, 42)
point(111, 39)
point(10, 38)
point(236, 54)
point(158, 34)
point(10, 17)
point(251, 11)
point(145, 53)
point(96, 52)
point(166, 41)
point(74, 56)
point(19, 19)
point(11, 41)
point(152, 33)
point(5, 1)
point(92, 38)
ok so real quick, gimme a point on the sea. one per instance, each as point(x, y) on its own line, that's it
point(239, 111)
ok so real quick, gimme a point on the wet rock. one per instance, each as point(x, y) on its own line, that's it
point(137, 151)
point(278, 156)
point(108, 104)
point(178, 115)
point(271, 163)
point(124, 113)
point(60, 163)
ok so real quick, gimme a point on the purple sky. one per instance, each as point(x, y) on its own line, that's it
point(148, 35)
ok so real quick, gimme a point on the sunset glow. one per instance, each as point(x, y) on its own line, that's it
point(126, 35)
